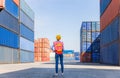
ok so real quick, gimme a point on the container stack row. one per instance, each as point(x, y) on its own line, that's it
point(77, 55)
point(68, 55)
point(26, 33)
point(42, 50)
point(90, 30)
point(16, 37)
point(110, 32)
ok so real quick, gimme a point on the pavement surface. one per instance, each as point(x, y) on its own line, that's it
point(46, 70)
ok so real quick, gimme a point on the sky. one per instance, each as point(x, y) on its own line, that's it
point(63, 17)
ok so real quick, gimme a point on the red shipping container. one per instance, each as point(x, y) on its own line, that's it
point(110, 13)
point(2, 4)
point(17, 2)
point(85, 57)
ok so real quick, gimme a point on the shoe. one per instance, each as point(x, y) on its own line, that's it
point(55, 75)
point(62, 74)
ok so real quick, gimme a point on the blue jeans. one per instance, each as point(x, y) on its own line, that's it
point(57, 57)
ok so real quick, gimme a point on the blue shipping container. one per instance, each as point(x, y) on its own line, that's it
point(68, 51)
point(9, 21)
point(110, 54)
point(103, 5)
point(88, 26)
point(26, 44)
point(8, 38)
point(110, 33)
point(26, 56)
point(83, 27)
point(27, 33)
point(11, 7)
point(26, 20)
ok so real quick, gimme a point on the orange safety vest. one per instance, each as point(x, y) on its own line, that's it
point(58, 46)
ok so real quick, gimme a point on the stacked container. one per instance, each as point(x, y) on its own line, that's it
point(110, 31)
point(90, 30)
point(42, 50)
point(26, 32)
point(16, 43)
point(68, 55)
point(77, 55)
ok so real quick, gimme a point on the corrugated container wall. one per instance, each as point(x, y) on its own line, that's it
point(90, 30)
point(26, 9)
point(8, 55)
point(11, 7)
point(9, 39)
point(42, 50)
point(26, 56)
point(104, 4)
point(26, 20)
point(26, 32)
point(110, 34)
point(11, 23)
point(17, 24)
point(26, 44)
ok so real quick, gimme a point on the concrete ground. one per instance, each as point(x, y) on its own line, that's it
point(46, 70)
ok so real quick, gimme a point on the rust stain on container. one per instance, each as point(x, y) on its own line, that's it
point(111, 12)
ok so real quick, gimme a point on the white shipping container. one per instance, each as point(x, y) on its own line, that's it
point(8, 55)
point(26, 44)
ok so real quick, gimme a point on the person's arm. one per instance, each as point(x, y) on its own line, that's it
point(53, 48)
point(63, 46)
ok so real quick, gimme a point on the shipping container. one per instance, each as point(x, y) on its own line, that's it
point(27, 10)
point(9, 39)
point(2, 4)
point(17, 2)
point(110, 54)
point(98, 27)
point(11, 23)
point(42, 45)
point(85, 57)
point(88, 38)
point(26, 32)
point(93, 26)
point(8, 55)
point(110, 13)
point(26, 20)
point(84, 47)
point(110, 33)
point(68, 51)
point(103, 5)
point(88, 26)
point(77, 55)
point(42, 50)
point(84, 26)
point(26, 44)
point(88, 47)
point(43, 40)
point(26, 56)
point(12, 8)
